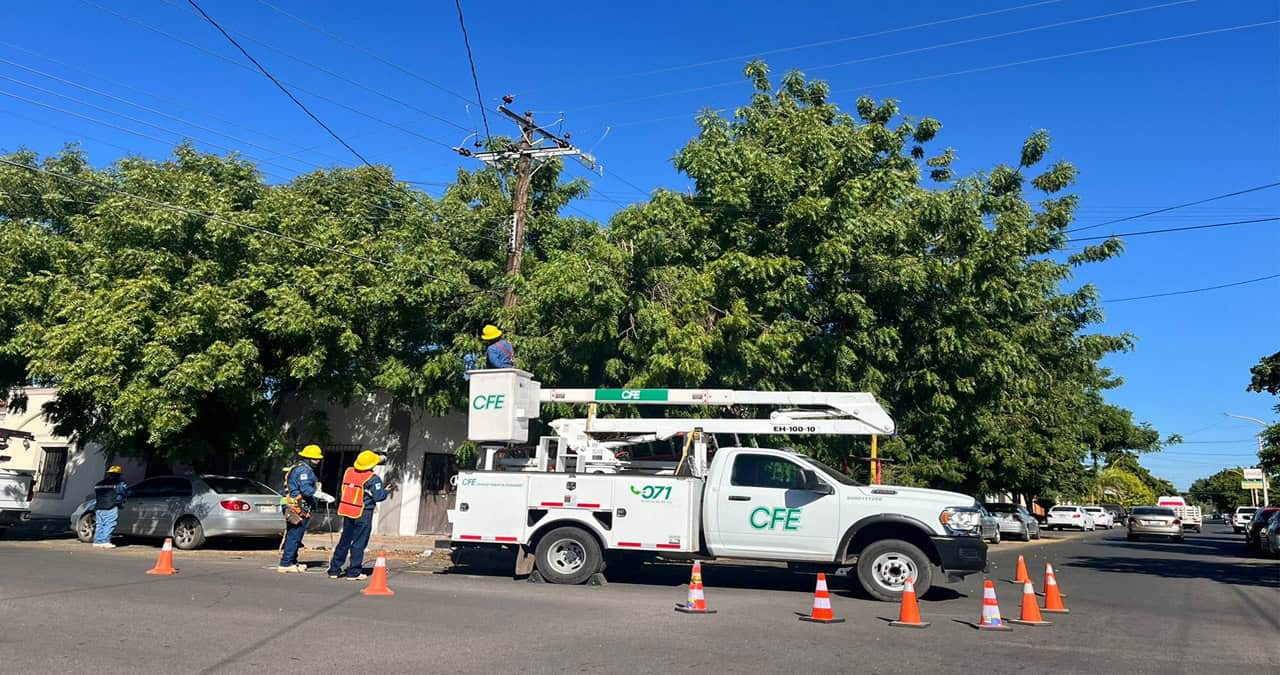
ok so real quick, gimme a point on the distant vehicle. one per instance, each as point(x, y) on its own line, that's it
point(1241, 518)
point(1190, 515)
point(1074, 517)
point(1117, 513)
point(989, 527)
point(1014, 520)
point(1253, 532)
point(1154, 521)
point(193, 508)
point(1101, 517)
point(15, 497)
point(1270, 537)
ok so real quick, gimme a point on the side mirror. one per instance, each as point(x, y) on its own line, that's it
point(813, 484)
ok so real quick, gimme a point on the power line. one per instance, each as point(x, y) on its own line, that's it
point(824, 43)
point(276, 82)
point(475, 79)
point(1196, 290)
point(368, 52)
point(1179, 206)
point(335, 75)
point(907, 52)
point(238, 64)
point(1172, 229)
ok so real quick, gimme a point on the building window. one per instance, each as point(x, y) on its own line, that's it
point(53, 471)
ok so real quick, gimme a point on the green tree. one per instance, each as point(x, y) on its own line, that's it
point(1221, 489)
point(1121, 487)
point(1266, 378)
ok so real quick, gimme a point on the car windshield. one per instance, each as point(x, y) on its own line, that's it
point(1153, 511)
point(1063, 509)
point(1093, 509)
point(1001, 508)
point(236, 486)
point(832, 473)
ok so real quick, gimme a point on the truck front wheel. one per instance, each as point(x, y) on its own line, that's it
point(885, 566)
point(568, 555)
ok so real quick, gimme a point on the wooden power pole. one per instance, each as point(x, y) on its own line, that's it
point(526, 155)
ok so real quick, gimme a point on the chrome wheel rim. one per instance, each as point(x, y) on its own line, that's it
point(566, 556)
point(892, 570)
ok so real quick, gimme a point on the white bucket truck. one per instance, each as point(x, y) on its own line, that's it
point(578, 498)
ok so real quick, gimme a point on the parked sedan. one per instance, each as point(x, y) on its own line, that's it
point(989, 526)
point(1270, 536)
point(1014, 520)
point(1154, 521)
point(1075, 517)
point(192, 508)
point(1253, 531)
point(1101, 517)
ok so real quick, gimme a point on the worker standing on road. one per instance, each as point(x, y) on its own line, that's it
point(359, 495)
point(499, 353)
point(300, 496)
point(108, 495)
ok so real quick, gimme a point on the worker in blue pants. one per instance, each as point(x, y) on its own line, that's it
point(359, 495)
point(302, 491)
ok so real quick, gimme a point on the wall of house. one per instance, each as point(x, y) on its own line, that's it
point(84, 465)
point(373, 422)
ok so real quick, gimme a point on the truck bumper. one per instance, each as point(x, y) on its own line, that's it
point(961, 556)
point(14, 517)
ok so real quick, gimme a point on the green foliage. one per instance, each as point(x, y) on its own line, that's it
point(1121, 487)
point(1266, 378)
point(1222, 490)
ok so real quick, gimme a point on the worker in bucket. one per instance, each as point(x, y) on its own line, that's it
point(108, 495)
point(301, 493)
point(359, 495)
point(499, 353)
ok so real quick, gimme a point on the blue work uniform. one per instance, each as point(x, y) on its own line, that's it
point(301, 484)
point(501, 355)
point(108, 495)
point(356, 531)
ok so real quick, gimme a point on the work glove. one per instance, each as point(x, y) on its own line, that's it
point(325, 497)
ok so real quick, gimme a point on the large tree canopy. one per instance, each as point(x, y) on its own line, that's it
point(818, 249)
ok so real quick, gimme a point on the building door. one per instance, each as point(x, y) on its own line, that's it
point(438, 470)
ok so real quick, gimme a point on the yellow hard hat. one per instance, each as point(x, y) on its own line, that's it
point(116, 469)
point(311, 452)
point(490, 332)
point(367, 460)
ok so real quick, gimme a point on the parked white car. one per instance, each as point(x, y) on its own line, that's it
point(1101, 517)
point(1074, 517)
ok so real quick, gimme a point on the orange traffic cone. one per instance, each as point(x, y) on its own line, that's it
point(1022, 575)
point(821, 604)
point(1030, 610)
point(697, 603)
point(1052, 596)
point(164, 564)
point(990, 609)
point(909, 615)
point(378, 584)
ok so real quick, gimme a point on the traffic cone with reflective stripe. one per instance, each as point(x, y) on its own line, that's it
point(1030, 610)
point(697, 603)
point(909, 615)
point(378, 583)
point(1052, 596)
point(821, 604)
point(1022, 575)
point(164, 564)
point(990, 609)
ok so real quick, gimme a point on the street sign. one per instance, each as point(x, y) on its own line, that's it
point(1252, 484)
point(1253, 474)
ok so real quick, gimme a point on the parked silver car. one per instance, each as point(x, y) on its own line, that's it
point(989, 526)
point(192, 508)
point(1014, 520)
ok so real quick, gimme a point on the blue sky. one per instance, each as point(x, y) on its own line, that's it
point(1148, 125)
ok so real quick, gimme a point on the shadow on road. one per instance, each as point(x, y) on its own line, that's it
point(1191, 559)
point(676, 574)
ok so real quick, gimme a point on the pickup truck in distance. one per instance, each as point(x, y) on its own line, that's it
point(753, 503)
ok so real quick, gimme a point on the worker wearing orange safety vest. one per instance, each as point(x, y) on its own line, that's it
point(359, 494)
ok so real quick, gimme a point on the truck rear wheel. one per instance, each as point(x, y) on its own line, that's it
point(885, 566)
point(568, 555)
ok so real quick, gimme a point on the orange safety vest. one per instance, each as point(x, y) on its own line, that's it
point(351, 501)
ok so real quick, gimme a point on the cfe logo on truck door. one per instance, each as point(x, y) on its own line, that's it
point(765, 518)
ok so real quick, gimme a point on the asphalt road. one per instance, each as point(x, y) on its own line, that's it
point(1203, 606)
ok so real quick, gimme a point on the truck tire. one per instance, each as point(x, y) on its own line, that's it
point(568, 555)
point(884, 567)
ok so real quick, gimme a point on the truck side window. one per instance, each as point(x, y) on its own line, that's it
point(766, 471)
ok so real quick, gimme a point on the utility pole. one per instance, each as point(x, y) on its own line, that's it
point(525, 154)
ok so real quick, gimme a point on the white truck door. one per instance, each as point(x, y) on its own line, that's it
point(764, 510)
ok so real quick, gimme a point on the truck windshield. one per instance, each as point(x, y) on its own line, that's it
point(832, 473)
